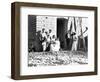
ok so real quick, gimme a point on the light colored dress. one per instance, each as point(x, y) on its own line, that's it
point(75, 42)
point(55, 46)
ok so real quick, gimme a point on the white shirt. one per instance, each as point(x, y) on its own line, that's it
point(50, 34)
point(43, 34)
point(48, 39)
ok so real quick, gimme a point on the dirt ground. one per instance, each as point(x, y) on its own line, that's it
point(57, 58)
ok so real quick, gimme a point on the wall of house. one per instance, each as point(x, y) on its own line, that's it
point(47, 22)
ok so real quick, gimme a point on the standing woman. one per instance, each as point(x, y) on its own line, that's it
point(75, 42)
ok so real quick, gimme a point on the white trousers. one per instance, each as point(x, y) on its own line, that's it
point(74, 45)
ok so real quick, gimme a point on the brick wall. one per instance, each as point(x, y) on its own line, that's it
point(47, 22)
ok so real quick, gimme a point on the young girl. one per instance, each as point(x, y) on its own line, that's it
point(55, 46)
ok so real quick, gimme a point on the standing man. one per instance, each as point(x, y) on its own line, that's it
point(68, 40)
point(43, 39)
point(48, 43)
point(50, 33)
point(43, 34)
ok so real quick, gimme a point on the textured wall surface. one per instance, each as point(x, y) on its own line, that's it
point(47, 22)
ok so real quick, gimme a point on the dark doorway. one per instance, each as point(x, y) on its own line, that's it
point(31, 30)
point(33, 37)
point(61, 31)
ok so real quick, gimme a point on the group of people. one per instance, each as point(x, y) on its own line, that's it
point(49, 41)
point(72, 40)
